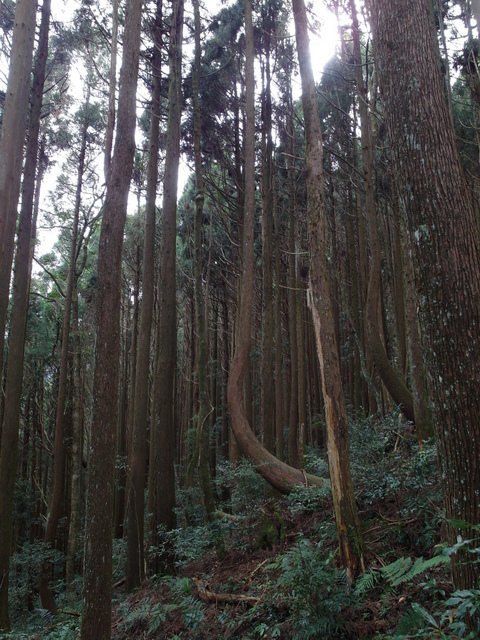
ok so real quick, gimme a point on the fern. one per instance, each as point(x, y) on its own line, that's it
point(137, 615)
point(415, 620)
point(399, 572)
point(367, 581)
point(193, 612)
point(157, 617)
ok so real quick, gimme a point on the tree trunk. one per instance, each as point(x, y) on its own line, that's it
point(279, 448)
point(97, 585)
point(77, 440)
point(112, 85)
point(293, 457)
point(279, 475)
point(267, 379)
point(444, 239)
point(395, 385)
point(346, 516)
point(21, 287)
point(164, 455)
point(14, 120)
point(205, 408)
point(121, 453)
point(138, 459)
point(57, 491)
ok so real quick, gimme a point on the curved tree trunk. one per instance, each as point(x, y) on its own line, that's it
point(279, 475)
point(346, 516)
point(444, 239)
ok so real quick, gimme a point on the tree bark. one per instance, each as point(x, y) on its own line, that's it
point(97, 585)
point(346, 516)
point(279, 444)
point(138, 460)
point(293, 456)
point(57, 490)
point(14, 121)
point(77, 441)
point(279, 475)
point(164, 455)
point(444, 240)
point(395, 385)
point(266, 373)
point(112, 85)
point(205, 408)
point(21, 287)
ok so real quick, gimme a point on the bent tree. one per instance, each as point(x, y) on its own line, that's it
point(346, 516)
point(280, 475)
point(444, 241)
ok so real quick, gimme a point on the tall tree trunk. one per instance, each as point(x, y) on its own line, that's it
point(395, 385)
point(57, 491)
point(12, 138)
point(279, 475)
point(138, 459)
point(164, 424)
point(279, 448)
point(121, 436)
point(97, 584)
point(354, 302)
point(302, 394)
point(112, 85)
point(204, 409)
point(14, 121)
point(421, 407)
point(399, 289)
point(77, 440)
point(346, 516)
point(293, 457)
point(444, 239)
point(267, 379)
point(21, 287)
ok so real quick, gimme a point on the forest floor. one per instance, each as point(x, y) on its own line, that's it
point(269, 567)
point(272, 571)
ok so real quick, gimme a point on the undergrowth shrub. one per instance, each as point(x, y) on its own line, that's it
point(147, 616)
point(247, 489)
point(314, 590)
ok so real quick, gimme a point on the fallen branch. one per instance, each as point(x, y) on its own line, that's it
point(119, 583)
point(70, 613)
point(210, 597)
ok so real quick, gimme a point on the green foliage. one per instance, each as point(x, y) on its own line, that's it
point(314, 590)
point(308, 499)
point(247, 488)
point(450, 622)
point(399, 572)
point(148, 616)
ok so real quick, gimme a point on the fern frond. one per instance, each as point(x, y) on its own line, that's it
point(413, 620)
point(367, 582)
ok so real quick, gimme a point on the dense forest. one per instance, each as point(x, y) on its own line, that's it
point(250, 407)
